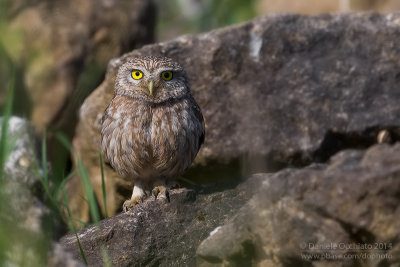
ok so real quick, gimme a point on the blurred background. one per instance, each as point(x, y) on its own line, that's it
point(30, 28)
point(179, 17)
point(58, 51)
point(58, 60)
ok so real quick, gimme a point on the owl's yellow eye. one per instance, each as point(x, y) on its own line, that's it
point(137, 74)
point(166, 75)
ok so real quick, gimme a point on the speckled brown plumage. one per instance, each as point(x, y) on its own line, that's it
point(151, 138)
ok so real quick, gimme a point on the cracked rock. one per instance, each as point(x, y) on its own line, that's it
point(344, 213)
point(156, 233)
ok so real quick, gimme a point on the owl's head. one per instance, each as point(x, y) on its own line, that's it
point(152, 79)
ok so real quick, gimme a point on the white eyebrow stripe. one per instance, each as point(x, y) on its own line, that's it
point(162, 69)
point(159, 70)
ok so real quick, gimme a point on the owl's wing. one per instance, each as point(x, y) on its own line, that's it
point(202, 136)
point(105, 116)
point(200, 118)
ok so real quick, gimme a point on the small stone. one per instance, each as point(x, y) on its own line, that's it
point(23, 162)
point(384, 136)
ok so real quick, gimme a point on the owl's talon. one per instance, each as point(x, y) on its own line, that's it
point(155, 192)
point(160, 191)
point(166, 193)
point(130, 203)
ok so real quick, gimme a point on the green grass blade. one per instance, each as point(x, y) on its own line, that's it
point(87, 186)
point(81, 249)
point(84, 224)
point(90, 196)
point(74, 229)
point(103, 184)
point(44, 161)
point(186, 180)
point(64, 141)
point(105, 256)
point(4, 127)
point(61, 186)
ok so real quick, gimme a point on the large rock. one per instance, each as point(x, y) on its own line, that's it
point(274, 91)
point(29, 227)
point(156, 233)
point(20, 183)
point(21, 158)
point(342, 214)
point(62, 48)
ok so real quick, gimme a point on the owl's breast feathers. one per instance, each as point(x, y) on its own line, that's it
point(145, 141)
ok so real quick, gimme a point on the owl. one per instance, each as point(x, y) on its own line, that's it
point(153, 128)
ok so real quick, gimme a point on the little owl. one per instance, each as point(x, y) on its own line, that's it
point(153, 128)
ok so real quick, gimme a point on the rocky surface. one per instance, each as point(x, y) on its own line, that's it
point(344, 213)
point(20, 184)
point(21, 155)
point(59, 256)
point(62, 48)
point(276, 91)
point(157, 233)
point(28, 226)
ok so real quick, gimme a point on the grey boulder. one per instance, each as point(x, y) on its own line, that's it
point(156, 233)
point(275, 91)
point(345, 213)
point(29, 225)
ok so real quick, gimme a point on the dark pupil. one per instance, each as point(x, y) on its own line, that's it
point(166, 75)
point(137, 73)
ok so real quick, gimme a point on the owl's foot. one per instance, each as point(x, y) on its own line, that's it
point(137, 197)
point(160, 192)
point(130, 203)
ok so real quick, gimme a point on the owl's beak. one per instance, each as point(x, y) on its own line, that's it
point(150, 86)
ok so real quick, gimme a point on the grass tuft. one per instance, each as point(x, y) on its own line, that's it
point(90, 197)
point(87, 187)
point(72, 227)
